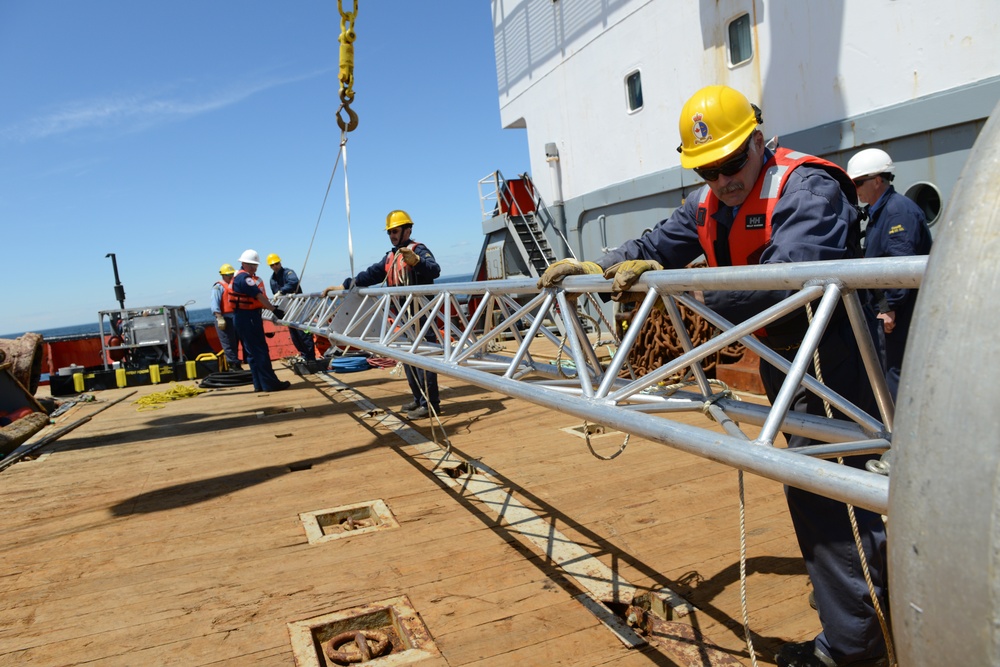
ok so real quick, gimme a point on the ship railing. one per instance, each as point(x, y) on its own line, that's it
point(428, 327)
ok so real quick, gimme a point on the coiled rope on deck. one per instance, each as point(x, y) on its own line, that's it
point(175, 393)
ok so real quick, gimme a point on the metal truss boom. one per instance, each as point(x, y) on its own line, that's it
point(453, 329)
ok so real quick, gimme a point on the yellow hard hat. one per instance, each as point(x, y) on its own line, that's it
point(713, 124)
point(397, 219)
point(273, 259)
point(227, 270)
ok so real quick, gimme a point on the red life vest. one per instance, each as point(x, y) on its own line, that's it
point(240, 301)
point(397, 272)
point(750, 233)
point(224, 304)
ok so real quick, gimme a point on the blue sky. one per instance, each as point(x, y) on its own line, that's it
point(176, 135)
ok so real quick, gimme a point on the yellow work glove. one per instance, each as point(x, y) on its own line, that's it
point(626, 273)
point(333, 288)
point(411, 258)
point(220, 322)
point(567, 267)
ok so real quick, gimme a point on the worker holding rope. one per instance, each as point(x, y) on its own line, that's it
point(761, 204)
point(407, 263)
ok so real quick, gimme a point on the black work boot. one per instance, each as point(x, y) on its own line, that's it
point(805, 654)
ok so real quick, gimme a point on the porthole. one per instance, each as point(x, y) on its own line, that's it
point(928, 198)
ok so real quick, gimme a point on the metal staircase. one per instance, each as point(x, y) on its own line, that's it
point(515, 207)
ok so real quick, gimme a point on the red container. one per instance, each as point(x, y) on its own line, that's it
point(518, 197)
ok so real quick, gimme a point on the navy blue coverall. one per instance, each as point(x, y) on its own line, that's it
point(424, 273)
point(286, 282)
point(897, 228)
point(810, 222)
point(250, 327)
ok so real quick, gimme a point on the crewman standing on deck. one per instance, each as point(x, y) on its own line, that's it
point(284, 281)
point(407, 263)
point(764, 205)
point(223, 312)
point(248, 298)
point(897, 227)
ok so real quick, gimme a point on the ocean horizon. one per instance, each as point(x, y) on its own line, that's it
point(195, 316)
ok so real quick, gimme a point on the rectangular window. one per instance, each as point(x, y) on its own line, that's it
point(633, 91)
point(740, 43)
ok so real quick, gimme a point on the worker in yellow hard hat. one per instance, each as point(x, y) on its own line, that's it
point(285, 281)
point(761, 204)
point(407, 263)
point(223, 313)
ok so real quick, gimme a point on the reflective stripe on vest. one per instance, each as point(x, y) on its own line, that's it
point(240, 301)
point(750, 233)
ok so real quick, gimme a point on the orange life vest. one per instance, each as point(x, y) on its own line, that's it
point(750, 233)
point(224, 304)
point(396, 270)
point(240, 301)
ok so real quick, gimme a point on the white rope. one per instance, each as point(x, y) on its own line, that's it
point(743, 574)
point(347, 201)
point(322, 207)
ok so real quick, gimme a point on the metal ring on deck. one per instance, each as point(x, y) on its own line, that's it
point(360, 638)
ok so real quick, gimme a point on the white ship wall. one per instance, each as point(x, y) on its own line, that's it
point(836, 75)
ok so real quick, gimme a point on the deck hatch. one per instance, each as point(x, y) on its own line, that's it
point(593, 430)
point(278, 410)
point(347, 521)
point(395, 620)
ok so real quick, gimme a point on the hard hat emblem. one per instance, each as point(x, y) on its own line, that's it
point(700, 129)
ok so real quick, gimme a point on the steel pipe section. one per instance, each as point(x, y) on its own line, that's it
point(850, 274)
point(944, 501)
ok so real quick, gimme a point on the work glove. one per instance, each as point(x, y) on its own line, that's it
point(626, 273)
point(220, 322)
point(333, 288)
point(279, 314)
point(277, 294)
point(555, 273)
point(411, 258)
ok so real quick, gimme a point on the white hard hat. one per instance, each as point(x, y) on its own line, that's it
point(870, 162)
point(250, 257)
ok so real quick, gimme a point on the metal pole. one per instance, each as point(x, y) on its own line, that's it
point(119, 288)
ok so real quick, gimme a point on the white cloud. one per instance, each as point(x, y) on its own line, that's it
point(140, 111)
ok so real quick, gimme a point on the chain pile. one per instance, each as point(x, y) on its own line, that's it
point(658, 342)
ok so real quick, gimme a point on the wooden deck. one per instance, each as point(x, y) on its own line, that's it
point(173, 536)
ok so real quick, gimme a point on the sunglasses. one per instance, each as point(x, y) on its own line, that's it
point(730, 167)
point(858, 182)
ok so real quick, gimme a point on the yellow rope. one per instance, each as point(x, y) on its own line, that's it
point(176, 393)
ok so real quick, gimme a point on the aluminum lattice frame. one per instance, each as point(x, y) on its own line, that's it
point(424, 326)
